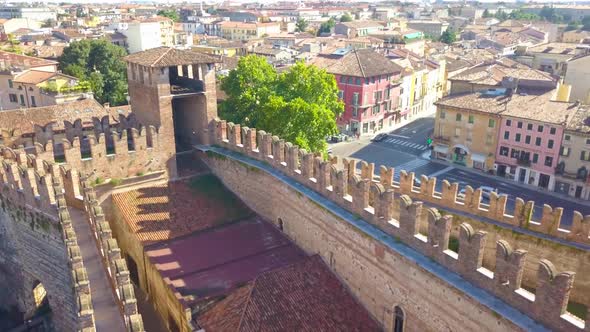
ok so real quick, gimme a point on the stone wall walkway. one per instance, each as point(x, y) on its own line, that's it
point(106, 310)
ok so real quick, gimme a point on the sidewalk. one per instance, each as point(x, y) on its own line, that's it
point(426, 155)
point(397, 125)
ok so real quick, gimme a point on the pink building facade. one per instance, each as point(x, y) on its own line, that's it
point(528, 151)
point(370, 102)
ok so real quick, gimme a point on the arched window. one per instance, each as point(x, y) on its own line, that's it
point(399, 316)
point(582, 173)
point(281, 224)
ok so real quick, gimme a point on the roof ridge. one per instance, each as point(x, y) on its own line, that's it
point(359, 62)
point(161, 56)
point(248, 300)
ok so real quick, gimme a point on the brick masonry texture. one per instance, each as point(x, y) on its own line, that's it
point(401, 217)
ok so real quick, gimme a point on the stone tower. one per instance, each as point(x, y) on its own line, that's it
point(174, 90)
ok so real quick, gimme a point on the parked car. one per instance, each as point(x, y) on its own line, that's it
point(339, 138)
point(379, 137)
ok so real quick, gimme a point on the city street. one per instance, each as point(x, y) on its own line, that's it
point(403, 147)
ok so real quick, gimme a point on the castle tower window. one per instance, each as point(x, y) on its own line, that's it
point(399, 316)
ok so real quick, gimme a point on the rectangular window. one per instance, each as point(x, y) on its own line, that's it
point(585, 155)
point(518, 137)
point(33, 101)
point(342, 79)
point(367, 81)
point(552, 131)
point(529, 126)
point(376, 109)
point(550, 144)
point(355, 112)
point(358, 81)
point(442, 114)
point(489, 139)
point(350, 80)
point(491, 123)
point(508, 123)
point(378, 95)
point(10, 84)
point(567, 137)
point(22, 100)
point(504, 151)
point(458, 117)
point(340, 94)
point(519, 125)
point(538, 141)
point(527, 139)
point(514, 153)
point(355, 98)
point(548, 161)
point(506, 135)
point(540, 129)
point(587, 140)
point(457, 132)
point(535, 158)
point(564, 151)
point(471, 119)
point(13, 98)
point(387, 93)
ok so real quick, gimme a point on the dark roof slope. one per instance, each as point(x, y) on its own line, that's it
point(304, 296)
point(358, 63)
point(167, 56)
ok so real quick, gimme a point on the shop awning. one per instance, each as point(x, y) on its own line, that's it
point(441, 148)
point(478, 157)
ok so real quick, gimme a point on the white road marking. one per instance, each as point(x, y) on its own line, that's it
point(400, 136)
point(442, 171)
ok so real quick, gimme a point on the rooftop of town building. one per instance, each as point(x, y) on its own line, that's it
point(168, 56)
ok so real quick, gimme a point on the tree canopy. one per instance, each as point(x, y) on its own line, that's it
point(170, 13)
point(449, 36)
point(100, 63)
point(299, 105)
point(327, 26)
point(301, 25)
point(346, 18)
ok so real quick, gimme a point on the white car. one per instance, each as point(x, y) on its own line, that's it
point(486, 192)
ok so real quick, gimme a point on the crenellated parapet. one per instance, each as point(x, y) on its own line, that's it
point(114, 263)
point(103, 153)
point(304, 166)
point(82, 291)
point(397, 208)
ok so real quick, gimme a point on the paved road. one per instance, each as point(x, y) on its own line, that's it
point(391, 153)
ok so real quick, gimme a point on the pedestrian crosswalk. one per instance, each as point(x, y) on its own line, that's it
point(404, 143)
point(409, 166)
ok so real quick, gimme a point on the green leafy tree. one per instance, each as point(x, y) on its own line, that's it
point(299, 105)
point(170, 13)
point(346, 18)
point(486, 13)
point(101, 64)
point(327, 26)
point(301, 25)
point(572, 26)
point(449, 36)
point(586, 23)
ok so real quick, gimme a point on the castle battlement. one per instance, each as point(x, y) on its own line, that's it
point(118, 272)
point(116, 154)
point(397, 208)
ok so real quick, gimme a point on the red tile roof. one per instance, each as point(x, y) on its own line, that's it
point(358, 63)
point(235, 254)
point(174, 209)
point(305, 296)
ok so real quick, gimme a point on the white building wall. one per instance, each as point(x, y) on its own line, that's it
point(143, 36)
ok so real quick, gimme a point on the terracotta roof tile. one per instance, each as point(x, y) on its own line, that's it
point(168, 56)
point(24, 61)
point(25, 119)
point(537, 106)
point(305, 296)
point(358, 63)
point(38, 76)
point(170, 210)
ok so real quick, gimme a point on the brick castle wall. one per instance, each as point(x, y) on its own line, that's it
point(400, 216)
